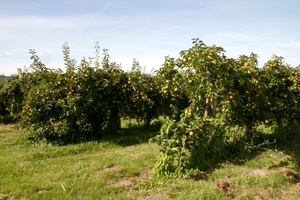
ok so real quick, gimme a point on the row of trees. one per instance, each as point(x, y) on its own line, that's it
point(86, 100)
point(211, 101)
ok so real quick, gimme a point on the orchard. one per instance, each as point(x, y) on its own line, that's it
point(228, 99)
point(210, 103)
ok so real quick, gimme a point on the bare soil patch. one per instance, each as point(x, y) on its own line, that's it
point(260, 172)
point(111, 167)
point(263, 195)
point(6, 126)
point(227, 185)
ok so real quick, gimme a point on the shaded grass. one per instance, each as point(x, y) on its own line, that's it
point(119, 167)
point(7, 119)
point(130, 133)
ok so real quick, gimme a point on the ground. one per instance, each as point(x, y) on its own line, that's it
point(121, 168)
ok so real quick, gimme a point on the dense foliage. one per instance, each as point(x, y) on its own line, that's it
point(84, 101)
point(211, 102)
point(11, 97)
point(229, 98)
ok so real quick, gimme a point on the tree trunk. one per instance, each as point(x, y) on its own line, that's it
point(207, 107)
point(214, 104)
point(114, 122)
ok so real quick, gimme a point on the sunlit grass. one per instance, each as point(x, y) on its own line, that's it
point(120, 167)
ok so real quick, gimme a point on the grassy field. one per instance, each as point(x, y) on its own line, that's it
point(120, 168)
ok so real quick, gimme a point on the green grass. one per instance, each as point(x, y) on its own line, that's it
point(120, 168)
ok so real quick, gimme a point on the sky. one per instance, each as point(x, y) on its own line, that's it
point(147, 30)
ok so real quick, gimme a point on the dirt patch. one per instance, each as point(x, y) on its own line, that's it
point(226, 185)
point(125, 183)
point(291, 193)
point(288, 173)
point(262, 195)
point(202, 175)
point(236, 191)
point(133, 191)
point(132, 181)
point(145, 175)
point(111, 167)
point(6, 126)
point(292, 176)
point(260, 172)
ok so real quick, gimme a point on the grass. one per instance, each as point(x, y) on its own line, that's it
point(120, 168)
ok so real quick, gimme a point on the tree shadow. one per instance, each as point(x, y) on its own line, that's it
point(8, 119)
point(284, 138)
point(287, 138)
point(133, 135)
point(126, 136)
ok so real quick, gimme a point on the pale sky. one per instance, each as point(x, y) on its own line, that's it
point(147, 30)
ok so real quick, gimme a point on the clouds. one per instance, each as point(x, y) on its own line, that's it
point(146, 30)
point(7, 54)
